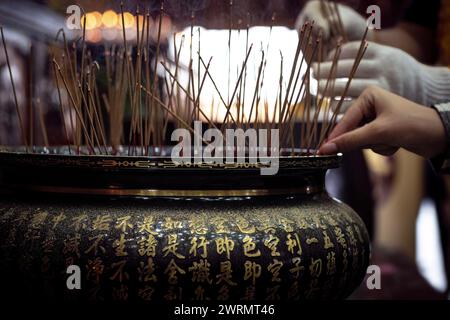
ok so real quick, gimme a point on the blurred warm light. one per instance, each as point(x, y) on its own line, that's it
point(98, 18)
point(109, 19)
point(130, 33)
point(93, 35)
point(109, 34)
point(93, 20)
point(166, 28)
point(128, 20)
point(140, 19)
point(108, 26)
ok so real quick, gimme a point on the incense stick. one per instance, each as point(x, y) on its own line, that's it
point(362, 49)
point(19, 115)
point(129, 81)
point(42, 123)
point(61, 109)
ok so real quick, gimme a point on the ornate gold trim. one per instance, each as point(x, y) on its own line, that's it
point(174, 192)
point(108, 162)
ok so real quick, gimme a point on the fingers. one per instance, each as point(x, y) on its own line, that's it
point(312, 12)
point(357, 86)
point(366, 69)
point(362, 110)
point(350, 51)
point(385, 150)
point(351, 120)
point(359, 138)
point(345, 105)
point(348, 135)
point(366, 75)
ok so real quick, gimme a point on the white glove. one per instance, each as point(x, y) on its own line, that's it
point(389, 68)
point(354, 24)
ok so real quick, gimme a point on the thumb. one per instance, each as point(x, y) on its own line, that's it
point(359, 138)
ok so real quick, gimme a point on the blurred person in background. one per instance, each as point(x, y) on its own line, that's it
point(402, 59)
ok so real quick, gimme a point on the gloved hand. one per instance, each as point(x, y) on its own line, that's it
point(389, 68)
point(354, 24)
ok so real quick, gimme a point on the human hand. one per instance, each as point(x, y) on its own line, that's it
point(389, 68)
point(353, 23)
point(385, 122)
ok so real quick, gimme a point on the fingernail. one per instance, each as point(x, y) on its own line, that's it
point(329, 148)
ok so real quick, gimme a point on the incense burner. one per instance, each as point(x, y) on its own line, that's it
point(141, 228)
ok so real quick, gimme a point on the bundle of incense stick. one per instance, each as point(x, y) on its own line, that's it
point(138, 105)
point(332, 15)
